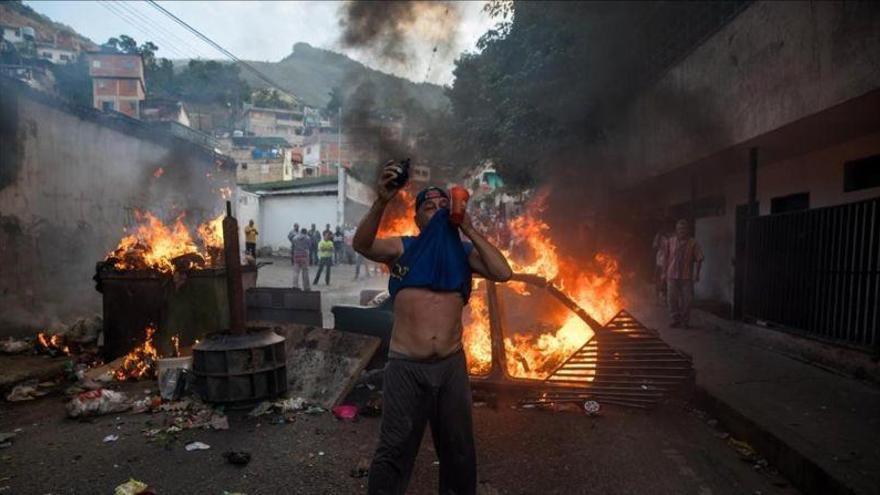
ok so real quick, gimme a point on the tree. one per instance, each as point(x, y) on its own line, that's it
point(335, 103)
point(272, 98)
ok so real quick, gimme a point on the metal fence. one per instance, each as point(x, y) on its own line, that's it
point(817, 272)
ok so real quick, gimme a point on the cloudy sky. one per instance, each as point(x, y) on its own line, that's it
point(264, 30)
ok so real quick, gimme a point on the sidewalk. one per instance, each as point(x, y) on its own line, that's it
point(821, 429)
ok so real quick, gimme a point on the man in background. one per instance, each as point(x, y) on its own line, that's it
point(250, 239)
point(684, 258)
point(300, 242)
point(315, 237)
point(325, 258)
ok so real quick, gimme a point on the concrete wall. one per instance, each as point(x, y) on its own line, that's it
point(279, 213)
point(772, 65)
point(69, 186)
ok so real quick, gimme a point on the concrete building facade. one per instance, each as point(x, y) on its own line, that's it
point(117, 82)
point(798, 82)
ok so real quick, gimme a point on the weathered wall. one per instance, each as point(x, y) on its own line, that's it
point(69, 186)
point(774, 64)
point(279, 213)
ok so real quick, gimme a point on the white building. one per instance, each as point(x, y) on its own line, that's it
point(276, 206)
point(56, 54)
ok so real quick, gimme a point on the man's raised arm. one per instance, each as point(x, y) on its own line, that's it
point(365, 242)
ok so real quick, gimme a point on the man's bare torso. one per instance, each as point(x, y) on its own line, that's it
point(427, 324)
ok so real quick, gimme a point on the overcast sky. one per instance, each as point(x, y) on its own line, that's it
point(264, 30)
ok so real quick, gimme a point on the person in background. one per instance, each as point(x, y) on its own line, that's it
point(325, 258)
point(349, 251)
point(683, 258)
point(250, 239)
point(315, 237)
point(338, 245)
point(659, 245)
point(326, 230)
point(299, 257)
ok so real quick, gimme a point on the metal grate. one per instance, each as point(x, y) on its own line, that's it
point(624, 363)
point(817, 273)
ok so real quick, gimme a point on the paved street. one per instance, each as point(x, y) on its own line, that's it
point(671, 450)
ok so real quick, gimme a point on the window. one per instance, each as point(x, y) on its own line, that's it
point(65, 58)
point(47, 55)
point(244, 166)
point(96, 64)
point(107, 106)
point(792, 202)
point(861, 174)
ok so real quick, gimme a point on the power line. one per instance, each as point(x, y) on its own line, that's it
point(128, 20)
point(170, 37)
point(222, 50)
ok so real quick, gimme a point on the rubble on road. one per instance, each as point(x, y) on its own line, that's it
point(14, 346)
point(237, 458)
point(97, 402)
point(196, 446)
point(133, 487)
point(26, 391)
point(6, 439)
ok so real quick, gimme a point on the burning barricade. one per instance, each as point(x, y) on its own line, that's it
point(167, 276)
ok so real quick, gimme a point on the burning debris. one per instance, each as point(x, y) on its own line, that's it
point(153, 245)
point(141, 361)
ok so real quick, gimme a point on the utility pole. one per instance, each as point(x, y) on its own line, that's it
point(340, 172)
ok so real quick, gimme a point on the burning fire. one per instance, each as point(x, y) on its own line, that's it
point(167, 248)
point(53, 343)
point(530, 353)
point(399, 217)
point(141, 361)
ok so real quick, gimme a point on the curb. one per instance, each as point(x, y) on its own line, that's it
point(800, 470)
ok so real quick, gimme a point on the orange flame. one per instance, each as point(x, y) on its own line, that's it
point(157, 246)
point(399, 217)
point(594, 285)
point(53, 343)
point(141, 361)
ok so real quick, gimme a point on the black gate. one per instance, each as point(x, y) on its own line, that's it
point(817, 273)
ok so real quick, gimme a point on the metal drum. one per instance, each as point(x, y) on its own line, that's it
point(240, 369)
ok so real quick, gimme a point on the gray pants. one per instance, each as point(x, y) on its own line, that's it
point(416, 393)
point(679, 296)
point(301, 269)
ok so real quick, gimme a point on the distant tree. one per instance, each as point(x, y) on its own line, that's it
point(335, 102)
point(209, 81)
point(272, 98)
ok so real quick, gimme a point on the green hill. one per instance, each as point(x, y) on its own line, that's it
point(311, 72)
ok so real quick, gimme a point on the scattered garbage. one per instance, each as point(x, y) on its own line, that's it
point(592, 407)
point(315, 410)
point(345, 412)
point(97, 402)
point(174, 382)
point(196, 446)
point(25, 391)
point(282, 406)
point(743, 448)
point(238, 458)
point(132, 487)
point(361, 470)
point(373, 407)
point(219, 422)
point(111, 438)
point(6, 439)
point(14, 346)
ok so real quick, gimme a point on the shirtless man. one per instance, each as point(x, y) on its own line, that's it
point(426, 377)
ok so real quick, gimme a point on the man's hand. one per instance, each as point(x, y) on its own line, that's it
point(384, 188)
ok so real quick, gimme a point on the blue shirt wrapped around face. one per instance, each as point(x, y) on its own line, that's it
point(437, 260)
